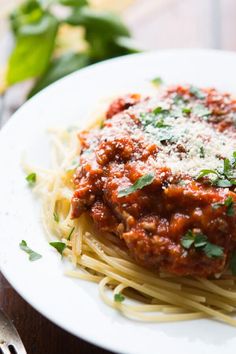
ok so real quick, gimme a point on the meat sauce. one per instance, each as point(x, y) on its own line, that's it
point(153, 220)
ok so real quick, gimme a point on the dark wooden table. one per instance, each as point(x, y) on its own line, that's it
point(39, 335)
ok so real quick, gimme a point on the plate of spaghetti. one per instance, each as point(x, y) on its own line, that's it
point(118, 202)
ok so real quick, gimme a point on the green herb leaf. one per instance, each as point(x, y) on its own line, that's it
point(161, 124)
point(232, 263)
point(213, 251)
point(202, 152)
point(188, 239)
point(224, 183)
point(204, 173)
point(56, 217)
point(31, 178)
point(34, 45)
point(195, 91)
point(59, 246)
point(119, 297)
point(201, 111)
point(229, 203)
point(76, 3)
point(60, 67)
point(186, 110)
point(33, 256)
point(161, 110)
point(139, 184)
point(70, 234)
point(200, 240)
point(157, 81)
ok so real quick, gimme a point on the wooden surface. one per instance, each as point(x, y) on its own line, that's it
point(155, 24)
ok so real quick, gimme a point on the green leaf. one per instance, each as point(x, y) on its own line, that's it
point(157, 81)
point(232, 263)
point(32, 52)
point(227, 167)
point(33, 256)
point(76, 3)
point(201, 111)
point(160, 110)
point(59, 246)
point(188, 239)
point(186, 110)
point(229, 203)
point(206, 172)
point(224, 183)
point(119, 297)
point(139, 184)
point(195, 91)
point(31, 178)
point(202, 152)
point(70, 234)
point(200, 240)
point(56, 217)
point(60, 67)
point(213, 251)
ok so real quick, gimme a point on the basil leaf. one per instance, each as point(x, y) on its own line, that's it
point(222, 183)
point(213, 251)
point(31, 178)
point(59, 246)
point(232, 263)
point(77, 3)
point(139, 184)
point(187, 240)
point(195, 91)
point(204, 173)
point(119, 297)
point(201, 111)
point(32, 52)
point(160, 110)
point(33, 256)
point(227, 167)
point(186, 110)
point(60, 67)
point(229, 203)
point(157, 81)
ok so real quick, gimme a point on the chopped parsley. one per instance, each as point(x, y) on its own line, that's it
point(70, 234)
point(119, 297)
point(195, 91)
point(160, 110)
point(201, 111)
point(202, 152)
point(225, 177)
point(186, 110)
point(56, 216)
point(157, 81)
point(59, 246)
point(31, 178)
point(229, 203)
point(161, 124)
point(139, 184)
point(200, 241)
point(33, 256)
point(232, 263)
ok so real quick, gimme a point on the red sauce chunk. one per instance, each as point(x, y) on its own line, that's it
point(161, 175)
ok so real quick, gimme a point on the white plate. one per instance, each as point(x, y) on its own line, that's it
point(75, 304)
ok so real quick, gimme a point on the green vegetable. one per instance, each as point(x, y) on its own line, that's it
point(76, 3)
point(119, 297)
point(59, 67)
point(34, 46)
point(201, 111)
point(59, 246)
point(186, 110)
point(157, 81)
point(200, 241)
point(33, 256)
point(195, 91)
point(213, 251)
point(70, 234)
point(56, 217)
point(202, 152)
point(31, 178)
point(160, 110)
point(232, 263)
point(161, 124)
point(139, 184)
point(229, 203)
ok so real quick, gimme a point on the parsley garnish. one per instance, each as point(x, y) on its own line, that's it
point(71, 232)
point(195, 91)
point(161, 110)
point(201, 111)
point(139, 184)
point(161, 124)
point(56, 217)
point(59, 246)
point(224, 177)
point(186, 110)
point(157, 81)
point(200, 241)
point(232, 263)
point(31, 178)
point(33, 256)
point(229, 203)
point(202, 152)
point(119, 297)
